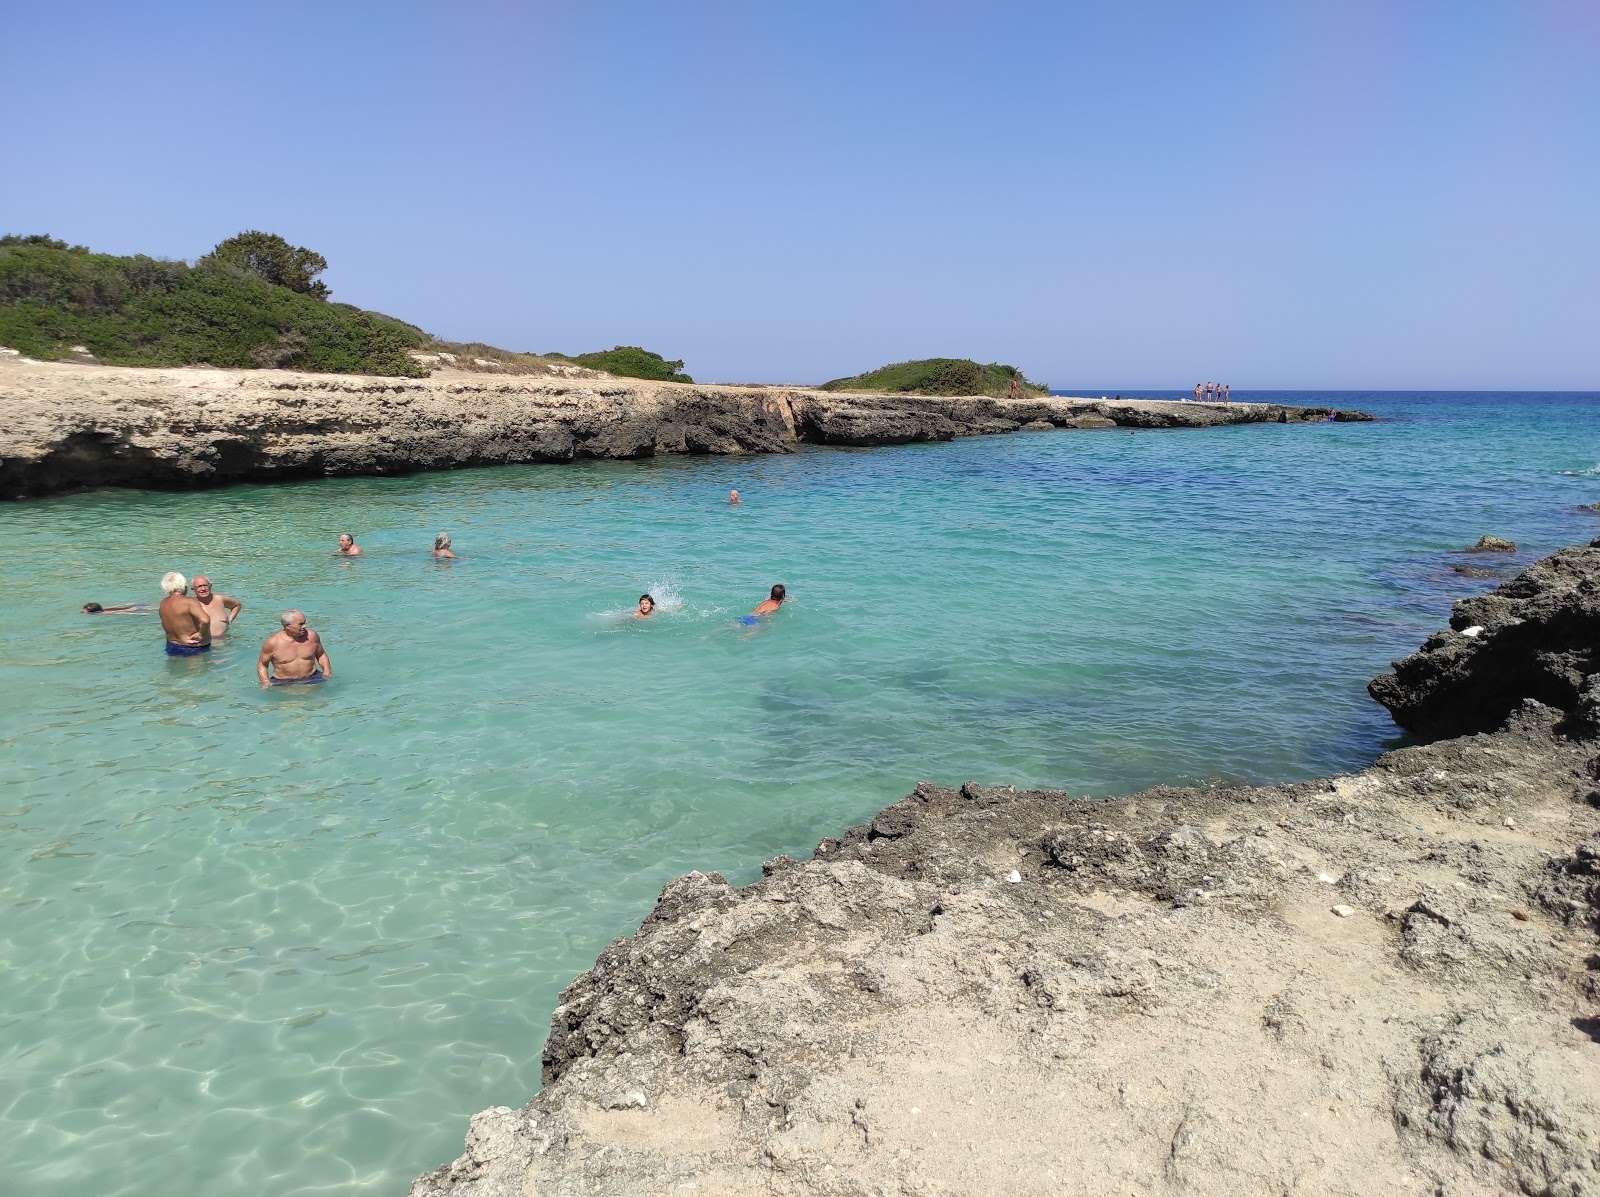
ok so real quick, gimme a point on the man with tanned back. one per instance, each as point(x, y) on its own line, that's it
point(221, 609)
point(295, 655)
point(185, 621)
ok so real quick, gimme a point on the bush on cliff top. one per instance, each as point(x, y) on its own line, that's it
point(939, 376)
point(222, 311)
point(629, 361)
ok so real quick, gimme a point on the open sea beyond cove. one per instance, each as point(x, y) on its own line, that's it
point(286, 942)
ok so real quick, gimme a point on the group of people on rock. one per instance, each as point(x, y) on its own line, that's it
point(295, 655)
point(1210, 392)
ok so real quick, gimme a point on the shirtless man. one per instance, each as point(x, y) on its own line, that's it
point(770, 604)
point(295, 655)
point(186, 622)
point(221, 609)
point(348, 546)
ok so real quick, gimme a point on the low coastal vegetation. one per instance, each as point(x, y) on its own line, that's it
point(253, 302)
point(940, 376)
point(629, 361)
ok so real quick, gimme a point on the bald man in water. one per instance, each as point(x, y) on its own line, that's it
point(295, 655)
point(221, 609)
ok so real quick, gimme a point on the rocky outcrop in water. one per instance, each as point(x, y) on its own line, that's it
point(1536, 636)
point(74, 426)
point(1382, 982)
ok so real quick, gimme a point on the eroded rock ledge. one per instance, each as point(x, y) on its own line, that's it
point(73, 426)
point(1382, 982)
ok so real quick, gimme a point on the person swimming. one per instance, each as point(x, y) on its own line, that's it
point(733, 497)
point(647, 607)
point(441, 546)
point(766, 606)
point(348, 546)
point(118, 609)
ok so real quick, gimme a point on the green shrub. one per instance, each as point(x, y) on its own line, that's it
point(141, 311)
point(629, 361)
point(939, 376)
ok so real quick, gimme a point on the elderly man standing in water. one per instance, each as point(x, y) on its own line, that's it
point(185, 621)
point(221, 609)
point(294, 655)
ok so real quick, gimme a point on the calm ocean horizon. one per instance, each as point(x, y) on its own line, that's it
point(289, 942)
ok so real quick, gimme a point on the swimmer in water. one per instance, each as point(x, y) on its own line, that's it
point(185, 621)
point(118, 609)
point(348, 546)
point(647, 607)
point(733, 497)
point(772, 602)
point(295, 655)
point(441, 546)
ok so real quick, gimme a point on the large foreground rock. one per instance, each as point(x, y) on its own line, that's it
point(1378, 983)
point(73, 426)
point(1537, 636)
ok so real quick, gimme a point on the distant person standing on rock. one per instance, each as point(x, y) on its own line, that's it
point(1227, 392)
point(348, 546)
point(1013, 386)
point(1197, 389)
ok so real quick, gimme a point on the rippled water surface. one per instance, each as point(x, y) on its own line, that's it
point(271, 942)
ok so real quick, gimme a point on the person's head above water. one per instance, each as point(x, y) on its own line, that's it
point(441, 541)
point(778, 593)
point(733, 496)
point(646, 604)
point(346, 541)
point(172, 582)
point(201, 584)
point(294, 622)
point(92, 608)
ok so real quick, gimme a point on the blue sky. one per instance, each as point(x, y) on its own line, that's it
point(1110, 195)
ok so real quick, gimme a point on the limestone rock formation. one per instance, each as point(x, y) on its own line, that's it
point(70, 426)
point(1536, 636)
point(1493, 544)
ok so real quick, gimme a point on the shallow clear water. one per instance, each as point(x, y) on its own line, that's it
point(286, 942)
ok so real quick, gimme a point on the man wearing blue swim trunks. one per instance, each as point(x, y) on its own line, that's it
point(183, 619)
point(295, 655)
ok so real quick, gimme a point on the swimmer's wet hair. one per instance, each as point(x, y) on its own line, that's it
point(778, 592)
point(290, 616)
point(441, 541)
point(172, 582)
point(645, 598)
point(92, 608)
point(351, 535)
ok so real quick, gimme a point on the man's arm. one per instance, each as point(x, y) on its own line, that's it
point(322, 658)
point(231, 607)
point(202, 619)
point(261, 662)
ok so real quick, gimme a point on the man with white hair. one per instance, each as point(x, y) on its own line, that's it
point(295, 655)
point(184, 620)
point(221, 609)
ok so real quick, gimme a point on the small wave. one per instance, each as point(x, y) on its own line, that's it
point(1591, 472)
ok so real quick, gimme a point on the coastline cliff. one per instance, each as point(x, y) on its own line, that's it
point(72, 426)
point(1381, 982)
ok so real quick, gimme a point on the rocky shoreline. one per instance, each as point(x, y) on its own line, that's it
point(1381, 982)
point(71, 426)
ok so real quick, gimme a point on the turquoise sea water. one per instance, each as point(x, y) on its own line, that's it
point(287, 942)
